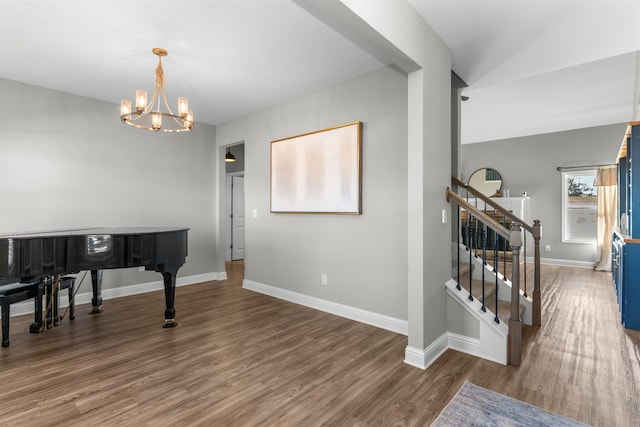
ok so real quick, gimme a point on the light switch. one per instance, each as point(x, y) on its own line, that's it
point(444, 216)
point(255, 213)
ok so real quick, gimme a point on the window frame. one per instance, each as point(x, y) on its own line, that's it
point(565, 230)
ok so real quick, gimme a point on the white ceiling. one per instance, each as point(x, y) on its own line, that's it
point(230, 58)
point(540, 66)
point(532, 66)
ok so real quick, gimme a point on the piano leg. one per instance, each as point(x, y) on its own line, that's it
point(36, 326)
point(51, 319)
point(96, 284)
point(169, 295)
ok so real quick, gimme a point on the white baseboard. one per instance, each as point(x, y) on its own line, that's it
point(364, 316)
point(474, 347)
point(26, 307)
point(424, 358)
point(564, 262)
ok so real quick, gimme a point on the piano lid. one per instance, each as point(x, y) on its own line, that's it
point(97, 231)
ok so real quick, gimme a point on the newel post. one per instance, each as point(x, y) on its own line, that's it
point(515, 323)
point(537, 295)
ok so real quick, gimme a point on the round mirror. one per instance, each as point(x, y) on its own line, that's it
point(487, 181)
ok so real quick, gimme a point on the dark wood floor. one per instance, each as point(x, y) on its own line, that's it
point(239, 358)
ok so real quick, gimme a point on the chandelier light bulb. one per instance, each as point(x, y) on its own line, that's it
point(156, 121)
point(125, 108)
point(141, 100)
point(188, 121)
point(183, 107)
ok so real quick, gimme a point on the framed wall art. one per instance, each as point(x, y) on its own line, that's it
point(318, 172)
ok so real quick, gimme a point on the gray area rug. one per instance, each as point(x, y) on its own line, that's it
point(477, 406)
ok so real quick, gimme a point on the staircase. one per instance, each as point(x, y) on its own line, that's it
point(487, 303)
point(488, 295)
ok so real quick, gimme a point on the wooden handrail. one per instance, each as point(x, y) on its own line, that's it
point(493, 204)
point(479, 214)
point(514, 236)
point(457, 182)
point(536, 232)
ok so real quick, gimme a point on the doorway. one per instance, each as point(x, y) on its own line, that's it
point(235, 230)
point(234, 205)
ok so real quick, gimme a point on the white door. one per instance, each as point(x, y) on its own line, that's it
point(237, 217)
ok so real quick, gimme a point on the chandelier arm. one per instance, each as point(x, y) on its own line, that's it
point(152, 102)
point(166, 104)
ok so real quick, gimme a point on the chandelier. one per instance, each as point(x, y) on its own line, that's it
point(150, 116)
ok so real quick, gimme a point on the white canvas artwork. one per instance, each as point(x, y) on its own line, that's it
point(317, 172)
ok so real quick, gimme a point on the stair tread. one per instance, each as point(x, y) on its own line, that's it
point(504, 307)
point(504, 311)
point(489, 289)
point(463, 269)
point(490, 255)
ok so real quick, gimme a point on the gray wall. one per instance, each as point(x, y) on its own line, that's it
point(67, 162)
point(364, 256)
point(529, 164)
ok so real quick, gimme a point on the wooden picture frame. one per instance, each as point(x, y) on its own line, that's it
point(318, 172)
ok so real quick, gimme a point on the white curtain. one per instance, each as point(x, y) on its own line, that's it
point(607, 182)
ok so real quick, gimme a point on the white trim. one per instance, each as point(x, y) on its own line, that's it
point(474, 308)
point(565, 238)
point(389, 323)
point(564, 262)
point(463, 343)
point(26, 307)
point(449, 341)
point(424, 358)
point(473, 347)
point(492, 341)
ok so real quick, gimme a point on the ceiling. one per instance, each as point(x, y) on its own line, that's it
point(531, 66)
point(540, 66)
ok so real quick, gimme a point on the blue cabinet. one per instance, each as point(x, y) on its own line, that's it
point(625, 248)
point(626, 275)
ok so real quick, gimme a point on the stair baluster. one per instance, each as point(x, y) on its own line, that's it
point(458, 246)
point(484, 262)
point(470, 241)
point(504, 233)
point(524, 252)
point(497, 318)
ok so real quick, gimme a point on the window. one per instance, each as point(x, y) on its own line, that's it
point(579, 207)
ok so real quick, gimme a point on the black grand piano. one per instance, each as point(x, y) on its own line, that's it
point(44, 254)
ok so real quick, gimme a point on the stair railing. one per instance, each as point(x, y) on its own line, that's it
point(534, 230)
point(514, 237)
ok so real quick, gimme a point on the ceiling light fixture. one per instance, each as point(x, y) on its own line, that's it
point(149, 116)
point(229, 158)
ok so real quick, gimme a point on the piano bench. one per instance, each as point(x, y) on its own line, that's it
point(10, 293)
point(52, 304)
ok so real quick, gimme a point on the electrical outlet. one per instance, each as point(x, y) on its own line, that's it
point(547, 248)
point(323, 279)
